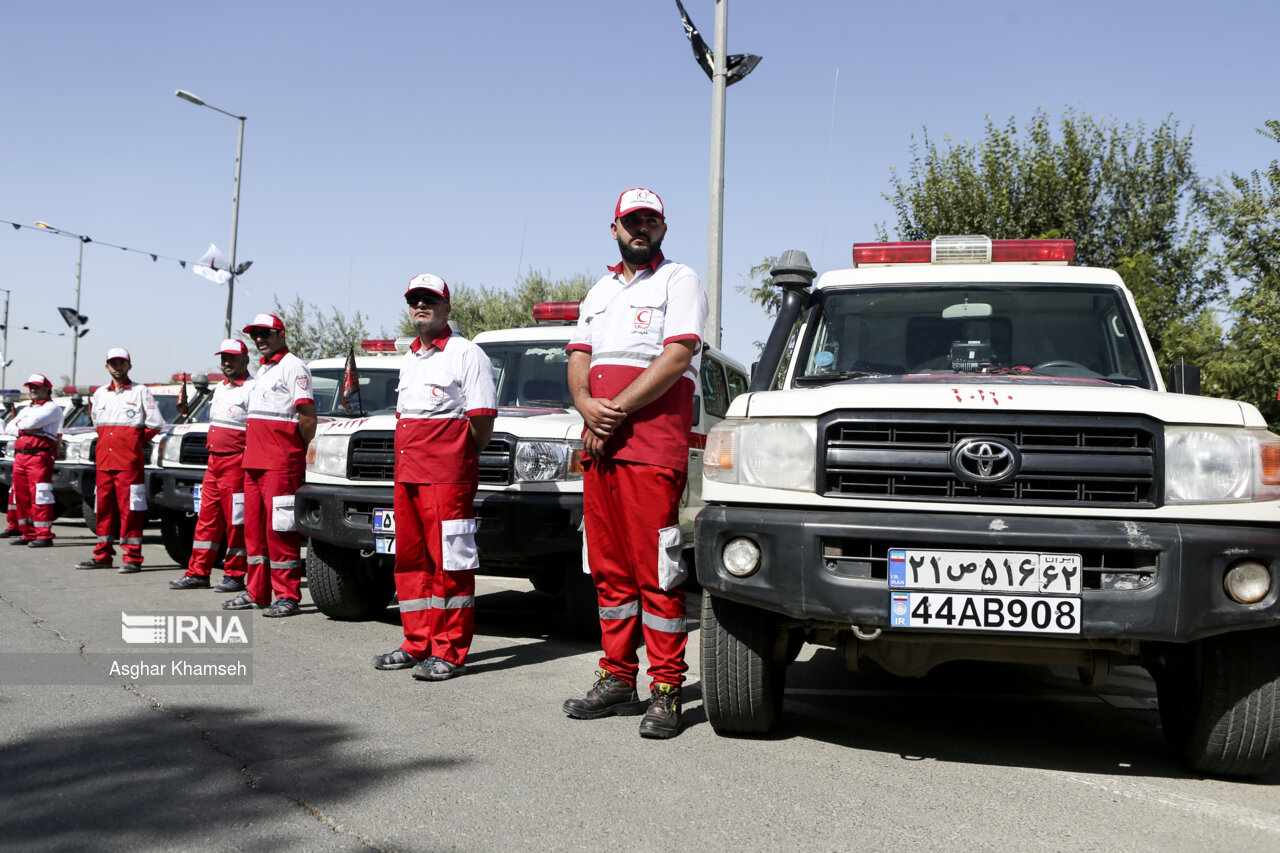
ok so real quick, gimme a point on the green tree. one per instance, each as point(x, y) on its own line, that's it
point(1130, 198)
point(482, 309)
point(313, 334)
point(1246, 212)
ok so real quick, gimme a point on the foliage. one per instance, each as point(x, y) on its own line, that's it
point(1246, 212)
point(764, 293)
point(482, 309)
point(313, 334)
point(1130, 198)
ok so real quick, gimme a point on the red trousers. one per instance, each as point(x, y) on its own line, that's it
point(436, 564)
point(629, 508)
point(12, 515)
point(34, 504)
point(121, 506)
point(271, 534)
point(221, 512)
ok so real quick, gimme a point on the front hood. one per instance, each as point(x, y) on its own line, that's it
point(521, 422)
point(1054, 396)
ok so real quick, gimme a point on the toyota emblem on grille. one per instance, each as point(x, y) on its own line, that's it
point(985, 461)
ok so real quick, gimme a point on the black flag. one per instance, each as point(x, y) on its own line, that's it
point(736, 66)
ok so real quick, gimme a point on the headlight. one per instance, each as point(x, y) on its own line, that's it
point(170, 449)
point(77, 451)
point(1219, 464)
point(327, 455)
point(543, 461)
point(776, 453)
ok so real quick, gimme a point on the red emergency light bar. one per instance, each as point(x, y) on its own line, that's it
point(953, 250)
point(382, 345)
point(555, 312)
point(181, 377)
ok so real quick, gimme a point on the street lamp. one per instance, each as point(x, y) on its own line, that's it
point(80, 241)
point(4, 348)
point(235, 201)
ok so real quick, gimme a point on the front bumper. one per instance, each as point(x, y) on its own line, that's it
point(829, 567)
point(513, 529)
point(170, 488)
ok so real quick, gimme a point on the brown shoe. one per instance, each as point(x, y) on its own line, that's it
point(662, 720)
point(610, 695)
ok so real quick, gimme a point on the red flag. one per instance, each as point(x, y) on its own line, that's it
point(350, 381)
point(182, 397)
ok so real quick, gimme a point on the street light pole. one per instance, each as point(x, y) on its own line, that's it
point(4, 348)
point(235, 200)
point(75, 329)
point(715, 227)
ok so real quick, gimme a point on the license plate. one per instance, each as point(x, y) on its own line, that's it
point(958, 611)
point(195, 498)
point(1028, 573)
point(384, 531)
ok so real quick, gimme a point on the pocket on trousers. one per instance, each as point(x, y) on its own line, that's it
point(671, 568)
point(458, 545)
point(138, 497)
point(282, 520)
point(44, 494)
point(237, 508)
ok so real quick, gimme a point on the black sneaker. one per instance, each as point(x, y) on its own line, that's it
point(230, 584)
point(610, 695)
point(21, 541)
point(189, 582)
point(129, 568)
point(662, 720)
point(282, 607)
point(40, 543)
point(93, 564)
point(9, 534)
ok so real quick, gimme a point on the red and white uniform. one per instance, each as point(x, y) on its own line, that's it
point(442, 386)
point(222, 490)
point(631, 498)
point(31, 491)
point(127, 418)
point(274, 463)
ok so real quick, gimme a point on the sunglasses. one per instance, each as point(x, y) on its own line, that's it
point(424, 297)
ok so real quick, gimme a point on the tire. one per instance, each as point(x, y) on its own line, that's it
point(581, 606)
point(1220, 702)
point(89, 513)
point(346, 586)
point(743, 667)
point(177, 531)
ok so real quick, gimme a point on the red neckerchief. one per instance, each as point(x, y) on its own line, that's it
point(40, 402)
point(240, 381)
point(437, 342)
point(118, 388)
point(652, 266)
point(273, 358)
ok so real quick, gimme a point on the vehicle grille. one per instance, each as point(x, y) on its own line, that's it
point(372, 456)
point(193, 450)
point(1075, 460)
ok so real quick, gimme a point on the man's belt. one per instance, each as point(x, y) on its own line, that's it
point(34, 451)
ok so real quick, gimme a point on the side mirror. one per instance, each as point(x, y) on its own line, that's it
point(1184, 378)
point(697, 409)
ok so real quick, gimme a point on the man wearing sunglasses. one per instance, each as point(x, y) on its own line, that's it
point(445, 410)
point(280, 423)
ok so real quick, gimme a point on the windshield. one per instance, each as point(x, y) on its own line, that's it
point(533, 373)
point(1077, 332)
point(377, 394)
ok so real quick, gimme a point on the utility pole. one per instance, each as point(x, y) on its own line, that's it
point(715, 227)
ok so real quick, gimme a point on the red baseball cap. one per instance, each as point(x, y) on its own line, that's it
point(427, 281)
point(38, 379)
point(265, 321)
point(638, 198)
point(232, 346)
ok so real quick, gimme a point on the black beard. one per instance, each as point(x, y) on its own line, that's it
point(638, 256)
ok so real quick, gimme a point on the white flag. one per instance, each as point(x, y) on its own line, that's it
point(213, 265)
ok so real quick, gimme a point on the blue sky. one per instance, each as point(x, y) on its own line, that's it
point(479, 141)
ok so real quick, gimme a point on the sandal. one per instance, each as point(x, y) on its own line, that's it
point(282, 607)
point(399, 659)
point(437, 669)
point(244, 601)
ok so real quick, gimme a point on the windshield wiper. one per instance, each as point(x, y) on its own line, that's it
point(828, 378)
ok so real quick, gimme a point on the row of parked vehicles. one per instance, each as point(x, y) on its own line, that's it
point(958, 449)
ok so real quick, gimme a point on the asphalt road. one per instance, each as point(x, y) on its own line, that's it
point(322, 752)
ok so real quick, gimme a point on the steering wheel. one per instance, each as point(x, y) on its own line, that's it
point(1060, 363)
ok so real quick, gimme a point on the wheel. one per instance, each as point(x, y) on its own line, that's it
point(1220, 702)
point(581, 605)
point(177, 531)
point(345, 585)
point(548, 580)
point(743, 666)
point(89, 513)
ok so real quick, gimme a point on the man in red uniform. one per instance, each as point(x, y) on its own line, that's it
point(222, 490)
point(633, 368)
point(31, 491)
point(281, 423)
point(127, 418)
point(445, 410)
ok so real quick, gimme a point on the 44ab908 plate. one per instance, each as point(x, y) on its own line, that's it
point(954, 611)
